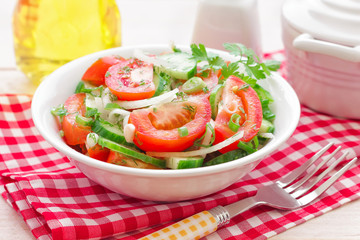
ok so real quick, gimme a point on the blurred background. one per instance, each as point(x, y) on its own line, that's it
point(154, 22)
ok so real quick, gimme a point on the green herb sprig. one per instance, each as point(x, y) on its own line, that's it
point(254, 68)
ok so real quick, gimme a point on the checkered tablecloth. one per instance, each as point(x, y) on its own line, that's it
point(58, 202)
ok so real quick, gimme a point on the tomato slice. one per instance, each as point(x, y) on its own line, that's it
point(120, 159)
point(156, 128)
point(239, 98)
point(131, 81)
point(98, 152)
point(73, 133)
point(95, 74)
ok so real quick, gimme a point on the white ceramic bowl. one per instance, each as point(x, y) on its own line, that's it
point(156, 185)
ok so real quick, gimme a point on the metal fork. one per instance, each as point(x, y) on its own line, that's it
point(292, 191)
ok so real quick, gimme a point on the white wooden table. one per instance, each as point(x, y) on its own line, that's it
point(147, 17)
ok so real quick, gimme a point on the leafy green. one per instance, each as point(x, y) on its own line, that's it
point(231, 69)
point(80, 88)
point(248, 58)
point(254, 68)
point(266, 99)
point(59, 111)
point(199, 54)
point(272, 65)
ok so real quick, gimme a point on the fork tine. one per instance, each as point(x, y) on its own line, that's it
point(296, 185)
point(323, 187)
point(313, 182)
point(285, 181)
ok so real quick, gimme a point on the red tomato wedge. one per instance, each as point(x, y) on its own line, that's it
point(120, 159)
point(131, 80)
point(73, 133)
point(95, 74)
point(98, 152)
point(239, 98)
point(157, 128)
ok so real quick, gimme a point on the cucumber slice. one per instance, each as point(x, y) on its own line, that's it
point(215, 97)
point(162, 83)
point(182, 163)
point(130, 152)
point(266, 126)
point(179, 65)
point(227, 157)
point(110, 131)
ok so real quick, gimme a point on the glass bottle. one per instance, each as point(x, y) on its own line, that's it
point(50, 33)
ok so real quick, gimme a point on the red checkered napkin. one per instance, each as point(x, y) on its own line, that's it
point(59, 202)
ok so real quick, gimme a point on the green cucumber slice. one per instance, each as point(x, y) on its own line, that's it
point(266, 126)
point(108, 130)
point(162, 83)
point(130, 152)
point(227, 157)
point(183, 163)
point(215, 97)
point(179, 65)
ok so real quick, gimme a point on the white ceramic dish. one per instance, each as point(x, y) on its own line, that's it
point(322, 46)
point(156, 185)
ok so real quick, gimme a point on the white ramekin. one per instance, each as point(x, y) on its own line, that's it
point(322, 46)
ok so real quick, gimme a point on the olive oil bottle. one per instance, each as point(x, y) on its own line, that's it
point(50, 33)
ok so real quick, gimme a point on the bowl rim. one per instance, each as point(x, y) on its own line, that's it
point(167, 173)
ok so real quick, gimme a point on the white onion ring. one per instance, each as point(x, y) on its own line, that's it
point(166, 97)
point(202, 151)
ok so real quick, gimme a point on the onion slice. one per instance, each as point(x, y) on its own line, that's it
point(202, 151)
point(267, 135)
point(129, 132)
point(166, 97)
point(91, 140)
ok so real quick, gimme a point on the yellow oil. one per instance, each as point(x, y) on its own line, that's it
point(50, 33)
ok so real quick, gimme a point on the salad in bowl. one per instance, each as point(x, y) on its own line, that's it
point(173, 110)
point(166, 123)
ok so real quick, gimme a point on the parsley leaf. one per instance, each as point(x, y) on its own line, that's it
point(200, 54)
point(231, 69)
point(239, 49)
point(253, 67)
point(272, 65)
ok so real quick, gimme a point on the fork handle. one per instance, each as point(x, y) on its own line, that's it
point(194, 227)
